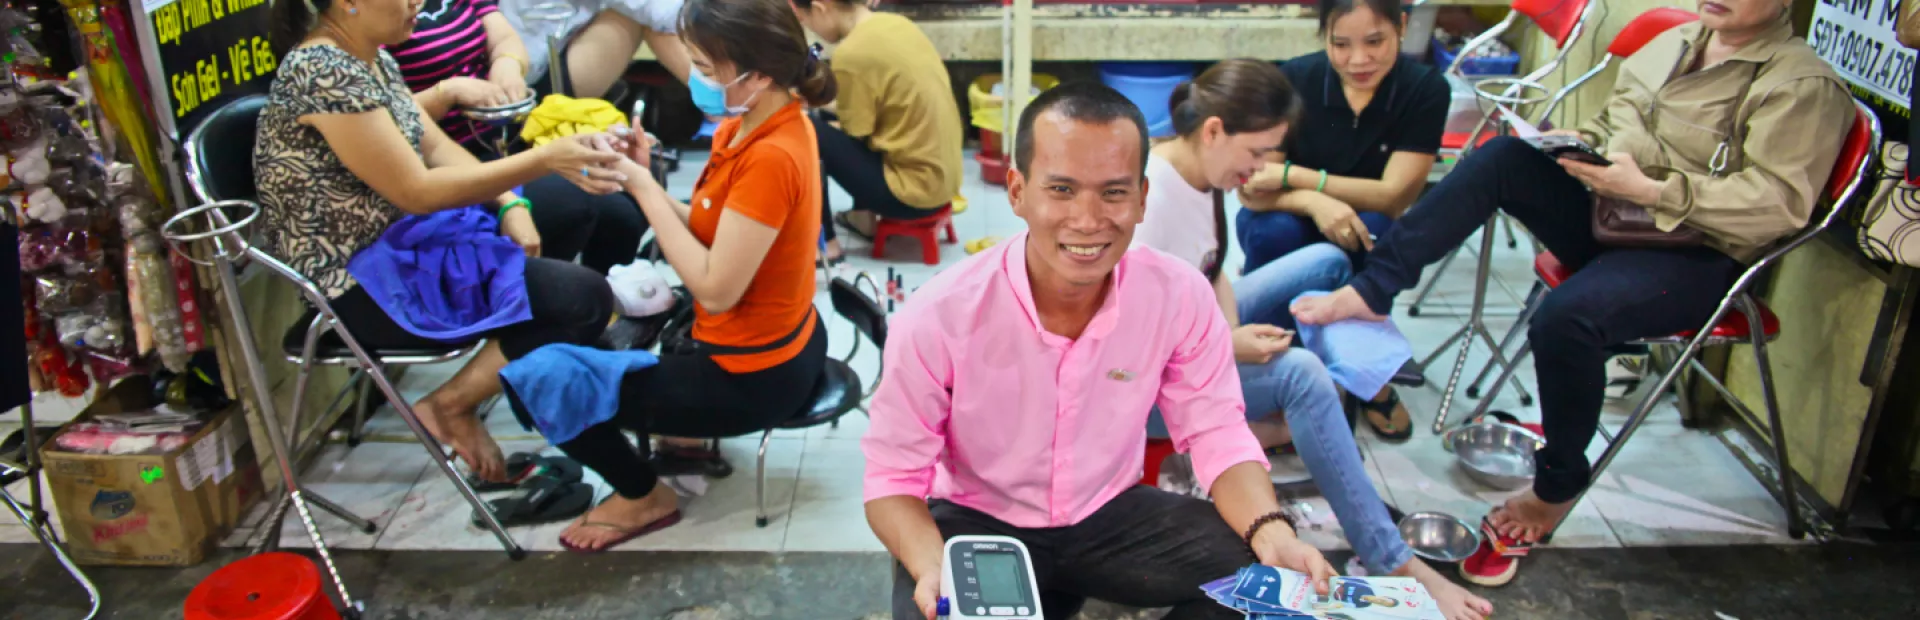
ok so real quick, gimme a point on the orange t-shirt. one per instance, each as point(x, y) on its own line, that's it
point(772, 177)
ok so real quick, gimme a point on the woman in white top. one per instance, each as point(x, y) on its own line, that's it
point(1228, 120)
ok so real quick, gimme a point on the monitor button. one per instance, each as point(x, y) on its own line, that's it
point(1001, 611)
point(1024, 611)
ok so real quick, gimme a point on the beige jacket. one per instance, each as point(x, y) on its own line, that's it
point(1781, 139)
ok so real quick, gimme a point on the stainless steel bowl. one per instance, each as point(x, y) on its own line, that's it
point(1439, 537)
point(500, 115)
point(1497, 454)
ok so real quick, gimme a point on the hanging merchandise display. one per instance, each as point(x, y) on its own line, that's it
point(118, 98)
point(99, 293)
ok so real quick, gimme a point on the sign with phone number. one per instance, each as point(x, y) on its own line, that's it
point(1857, 38)
point(206, 52)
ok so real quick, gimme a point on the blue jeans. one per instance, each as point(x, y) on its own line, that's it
point(1296, 384)
point(1269, 235)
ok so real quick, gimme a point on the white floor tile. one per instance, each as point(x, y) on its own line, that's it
point(828, 514)
point(435, 516)
point(1424, 477)
point(371, 480)
point(722, 519)
point(1717, 502)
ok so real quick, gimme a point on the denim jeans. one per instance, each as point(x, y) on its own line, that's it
point(1265, 236)
point(1296, 383)
point(1615, 294)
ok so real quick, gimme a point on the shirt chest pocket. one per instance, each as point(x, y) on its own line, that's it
point(1699, 132)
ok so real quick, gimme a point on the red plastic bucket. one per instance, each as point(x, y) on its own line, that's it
point(269, 586)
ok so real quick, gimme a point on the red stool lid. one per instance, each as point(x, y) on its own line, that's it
point(269, 586)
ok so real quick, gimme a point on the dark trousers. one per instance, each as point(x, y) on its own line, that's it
point(861, 172)
point(691, 396)
point(600, 231)
point(1615, 295)
point(1145, 548)
point(1268, 235)
point(570, 304)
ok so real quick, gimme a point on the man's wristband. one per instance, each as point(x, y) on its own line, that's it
point(1268, 519)
point(518, 202)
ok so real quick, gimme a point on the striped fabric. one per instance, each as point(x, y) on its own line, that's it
point(448, 41)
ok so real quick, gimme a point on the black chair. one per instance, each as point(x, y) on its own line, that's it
point(838, 391)
point(220, 167)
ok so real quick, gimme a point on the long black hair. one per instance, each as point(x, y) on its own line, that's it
point(292, 20)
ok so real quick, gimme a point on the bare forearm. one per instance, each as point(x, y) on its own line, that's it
point(907, 529)
point(1229, 305)
point(670, 229)
point(1244, 493)
point(1367, 194)
point(434, 102)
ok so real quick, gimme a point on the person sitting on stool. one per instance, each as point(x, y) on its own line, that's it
point(1017, 386)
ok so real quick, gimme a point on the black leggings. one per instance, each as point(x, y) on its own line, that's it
point(601, 231)
point(570, 304)
point(1615, 295)
point(862, 173)
point(691, 396)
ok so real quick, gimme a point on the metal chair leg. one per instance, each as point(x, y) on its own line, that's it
point(1526, 349)
point(440, 458)
point(1413, 309)
point(1789, 499)
point(760, 482)
point(1534, 296)
point(53, 547)
point(359, 430)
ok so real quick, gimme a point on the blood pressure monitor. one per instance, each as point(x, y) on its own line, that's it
point(988, 577)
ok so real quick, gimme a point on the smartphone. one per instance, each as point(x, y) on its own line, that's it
point(1570, 147)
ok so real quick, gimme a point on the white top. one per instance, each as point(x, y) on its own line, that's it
point(656, 15)
point(1179, 219)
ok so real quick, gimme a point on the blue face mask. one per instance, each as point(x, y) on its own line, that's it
point(711, 96)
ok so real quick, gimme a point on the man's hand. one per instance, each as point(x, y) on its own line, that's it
point(1622, 180)
point(926, 592)
point(1277, 546)
point(1258, 343)
point(1341, 224)
point(517, 225)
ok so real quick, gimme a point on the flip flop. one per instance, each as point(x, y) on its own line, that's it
point(522, 466)
point(1386, 410)
point(626, 535)
point(689, 462)
point(542, 500)
point(847, 224)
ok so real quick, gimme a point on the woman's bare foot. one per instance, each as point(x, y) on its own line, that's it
point(1456, 603)
point(1340, 305)
point(617, 517)
point(833, 252)
point(466, 436)
point(1527, 518)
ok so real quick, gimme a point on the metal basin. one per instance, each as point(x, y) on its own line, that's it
point(1496, 454)
point(500, 115)
point(1439, 537)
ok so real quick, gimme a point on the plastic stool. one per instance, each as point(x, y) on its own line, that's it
point(269, 586)
point(922, 229)
point(1157, 451)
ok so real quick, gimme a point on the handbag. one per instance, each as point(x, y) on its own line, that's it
point(1889, 228)
point(1212, 263)
point(1619, 223)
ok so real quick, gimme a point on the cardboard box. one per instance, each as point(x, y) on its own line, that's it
point(165, 509)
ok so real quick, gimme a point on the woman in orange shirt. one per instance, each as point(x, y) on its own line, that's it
point(745, 248)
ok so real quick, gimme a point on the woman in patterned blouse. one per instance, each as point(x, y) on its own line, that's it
point(344, 152)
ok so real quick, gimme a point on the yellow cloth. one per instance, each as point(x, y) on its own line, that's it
point(560, 116)
point(895, 96)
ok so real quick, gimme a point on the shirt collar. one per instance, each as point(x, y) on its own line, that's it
point(1014, 263)
point(724, 136)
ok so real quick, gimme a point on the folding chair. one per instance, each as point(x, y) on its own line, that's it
point(220, 170)
point(1739, 319)
point(838, 390)
point(20, 460)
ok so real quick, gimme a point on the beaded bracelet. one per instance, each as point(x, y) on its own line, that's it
point(1269, 518)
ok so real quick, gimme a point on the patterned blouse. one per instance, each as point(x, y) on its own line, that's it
point(318, 214)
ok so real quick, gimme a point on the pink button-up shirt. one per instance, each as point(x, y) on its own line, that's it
point(982, 406)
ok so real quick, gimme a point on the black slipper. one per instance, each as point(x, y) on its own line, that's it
point(841, 219)
point(540, 500)
point(1385, 410)
point(524, 465)
point(690, 462)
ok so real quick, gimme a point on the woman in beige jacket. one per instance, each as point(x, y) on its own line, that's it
point(1729, 125)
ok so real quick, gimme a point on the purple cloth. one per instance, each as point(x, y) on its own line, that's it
point(449, 276)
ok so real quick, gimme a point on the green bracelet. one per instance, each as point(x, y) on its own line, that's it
point(1323, 182)
point(520, 202)
point(1286, 171)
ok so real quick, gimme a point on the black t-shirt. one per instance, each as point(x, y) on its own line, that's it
point(1408, 113)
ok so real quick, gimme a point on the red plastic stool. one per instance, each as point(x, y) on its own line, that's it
point(1157, 451)
point(922, 229)
point(269, 586)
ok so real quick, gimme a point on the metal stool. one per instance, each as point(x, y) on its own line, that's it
point(26, 443)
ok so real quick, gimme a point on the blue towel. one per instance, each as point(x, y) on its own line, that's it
point(449, 276)
point(567, 388)
point(1361, 355)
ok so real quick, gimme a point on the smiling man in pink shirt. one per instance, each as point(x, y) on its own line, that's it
point(1018, 383)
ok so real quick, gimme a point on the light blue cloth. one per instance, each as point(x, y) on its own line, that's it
point(449, 276)
point(565, 389)
point(1363, 355)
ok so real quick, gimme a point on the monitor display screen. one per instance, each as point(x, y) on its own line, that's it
point(1000, 579)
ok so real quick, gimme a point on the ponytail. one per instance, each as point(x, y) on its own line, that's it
point(292, 21)
point(1246, 95)
point(816, 84)
point(1181, 106)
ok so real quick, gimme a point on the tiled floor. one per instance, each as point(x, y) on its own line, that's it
point(813, 476)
